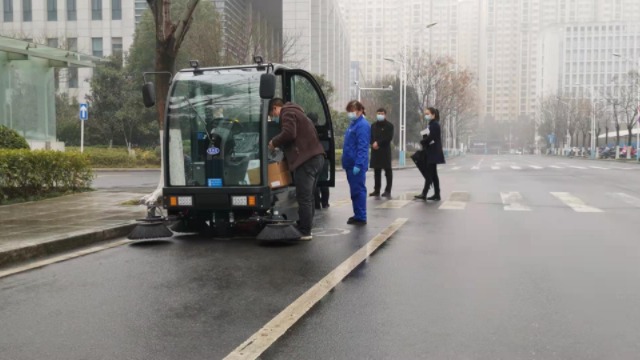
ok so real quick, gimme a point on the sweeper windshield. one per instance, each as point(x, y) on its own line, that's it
point(214, 128)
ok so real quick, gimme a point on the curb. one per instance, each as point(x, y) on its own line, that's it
point(63, 243)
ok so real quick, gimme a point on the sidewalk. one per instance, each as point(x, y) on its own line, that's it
point(40, 228)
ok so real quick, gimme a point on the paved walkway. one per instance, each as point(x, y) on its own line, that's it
point(42, 227)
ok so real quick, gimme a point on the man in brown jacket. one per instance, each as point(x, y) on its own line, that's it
point(305, 156)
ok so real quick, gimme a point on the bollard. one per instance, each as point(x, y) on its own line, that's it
point(597, 153)
point(629, 152)
point(617, 152)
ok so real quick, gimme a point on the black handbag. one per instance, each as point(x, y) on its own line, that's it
point(418, 157)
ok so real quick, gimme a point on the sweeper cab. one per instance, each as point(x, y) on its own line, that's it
point(219, 175)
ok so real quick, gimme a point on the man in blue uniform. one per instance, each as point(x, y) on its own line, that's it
point(355, 160)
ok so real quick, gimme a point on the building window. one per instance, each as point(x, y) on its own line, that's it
point(52, 10)
point(26, 10)
point(72, 44)
point(72, 76)
point(96, 46)
point(96, 9)
point(116, 9)
point(71, 10)
point(52, 42)
point(8, 10)
point(116, 45)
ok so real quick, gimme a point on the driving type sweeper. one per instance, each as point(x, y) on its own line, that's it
point(220, 178)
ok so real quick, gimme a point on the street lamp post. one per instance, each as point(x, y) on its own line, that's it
point(593, 120)
point(403, 97)
point(638, 106)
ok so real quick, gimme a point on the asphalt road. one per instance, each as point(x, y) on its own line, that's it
point(132, 180)
point(525, 258)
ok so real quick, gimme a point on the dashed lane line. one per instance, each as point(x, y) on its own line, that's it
point(457, 201)
point(513, 201)
point(259, 342)
point(575, 203)
point(61, 258)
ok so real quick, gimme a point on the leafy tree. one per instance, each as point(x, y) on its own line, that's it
point(67, 122)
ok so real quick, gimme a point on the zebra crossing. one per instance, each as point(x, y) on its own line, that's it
point(534, 167)
point(513, 201)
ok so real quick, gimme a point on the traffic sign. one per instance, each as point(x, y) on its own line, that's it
point(84, 112)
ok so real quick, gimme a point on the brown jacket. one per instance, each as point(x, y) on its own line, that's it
point(298, 137)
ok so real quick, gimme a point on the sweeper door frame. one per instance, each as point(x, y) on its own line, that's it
point(300, 87)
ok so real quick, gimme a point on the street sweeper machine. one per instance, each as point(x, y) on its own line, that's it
point(219, 175)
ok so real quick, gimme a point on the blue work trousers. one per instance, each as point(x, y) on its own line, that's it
point(358, 193)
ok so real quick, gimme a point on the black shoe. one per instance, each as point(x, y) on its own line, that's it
point(375, 193)
point(324, 206)
point(318, 207)
point(434, 198)
point(354, 221)
point(386, 194)
point(420, 197)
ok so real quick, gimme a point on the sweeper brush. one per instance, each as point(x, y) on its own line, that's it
point(279, 232)
point(151, 227)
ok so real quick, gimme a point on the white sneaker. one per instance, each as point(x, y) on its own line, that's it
point(306, 237)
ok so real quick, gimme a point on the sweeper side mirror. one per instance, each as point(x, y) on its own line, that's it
point(267, 86)
point(149, 94)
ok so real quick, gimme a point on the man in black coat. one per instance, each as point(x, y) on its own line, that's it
point(381, 137)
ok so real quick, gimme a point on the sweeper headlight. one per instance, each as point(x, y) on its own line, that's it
point(243, 201)
point(181, 201)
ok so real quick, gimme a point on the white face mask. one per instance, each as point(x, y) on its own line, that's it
point(352, 116)
point(428, 117)
point(380, 117)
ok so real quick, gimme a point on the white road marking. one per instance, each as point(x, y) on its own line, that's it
point(495, 168)
point(556, 167)
point(259, 342)
point(513, 201)
point(516, 167)
point(536, 167)
point(475, 168)
point(339, 203)
point(393, 204)
point(455, 168)
point(61, 258)
point(598, 167)
point(575, 203)
point(631, 200)
point(457, 201)
point(578, 167)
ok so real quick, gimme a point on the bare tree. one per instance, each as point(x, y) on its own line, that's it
point(288, 54)
point(169, 38)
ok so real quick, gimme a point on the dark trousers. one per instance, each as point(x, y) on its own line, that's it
point(431, 178)
point(377, 178)
point(322, 196)
point(306, 176)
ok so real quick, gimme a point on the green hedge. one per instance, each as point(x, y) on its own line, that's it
point(10, 139)
point(25, 174)
point(118, 157)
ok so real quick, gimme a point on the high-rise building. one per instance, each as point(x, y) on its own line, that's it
point(316, 39)
point(578, 58)
point(248, 25)
point(99, 28)
point(382, 29)
point(140, 7)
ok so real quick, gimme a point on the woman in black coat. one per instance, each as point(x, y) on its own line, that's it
point(432, 154)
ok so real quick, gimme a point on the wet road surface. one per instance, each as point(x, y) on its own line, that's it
point(527, 257)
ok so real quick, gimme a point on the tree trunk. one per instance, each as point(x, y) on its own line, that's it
point(629, 137)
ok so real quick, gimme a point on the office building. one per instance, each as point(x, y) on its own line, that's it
point(97, 27)
point(316, 39)
point(580, 55)
point(251, 26)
